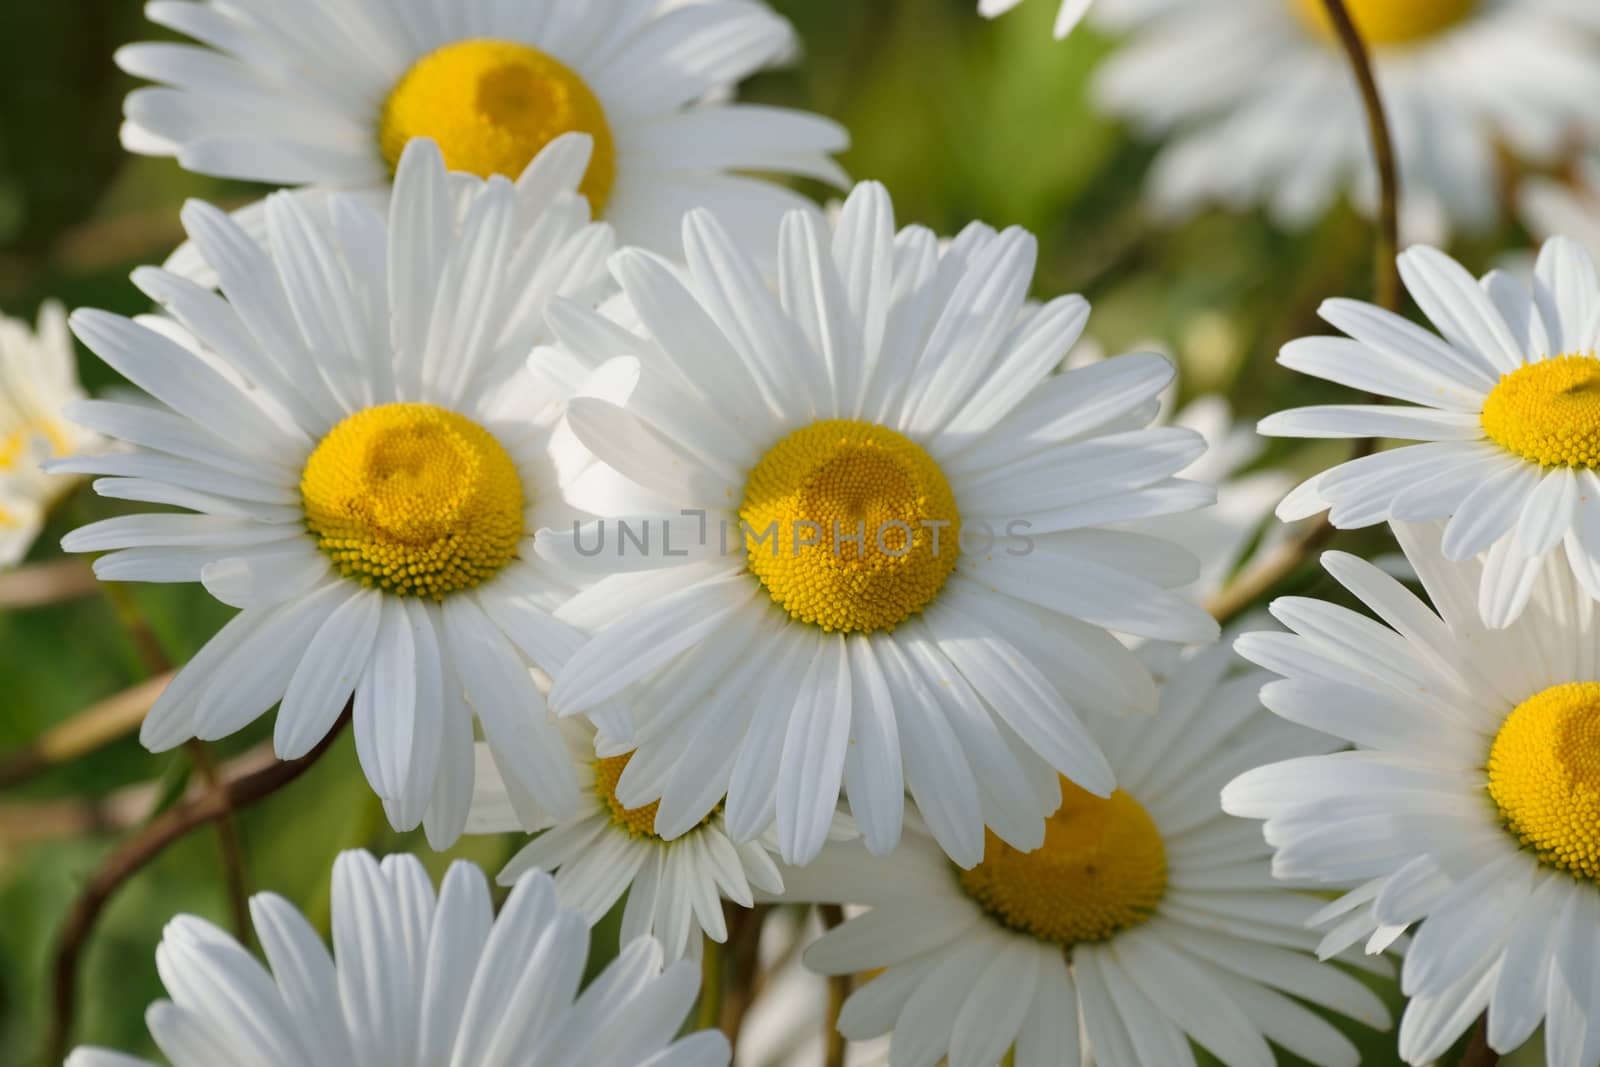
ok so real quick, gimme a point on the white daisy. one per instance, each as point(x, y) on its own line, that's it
point(1280, 122)
point(1145, 921)
point(1550, 208)
point(416, 981)
point(38, 380)
point(1507, 403)
point(1470, 803)
point(327, 93)
point(353, 422)
point(676, 877)
point(1072, 12)
point(949, 624)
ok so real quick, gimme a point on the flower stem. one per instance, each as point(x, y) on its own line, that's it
point(832, 915)
point(137, 853)
point(1259, 581)
point(1478, 1053)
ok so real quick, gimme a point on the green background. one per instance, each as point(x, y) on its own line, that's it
point(961, 118)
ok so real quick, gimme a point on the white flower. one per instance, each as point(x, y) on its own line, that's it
point(1072, 12)
point(417, 981)
point(1507, 403)
point(328, 93)
point(948, 627)
point(676, 877)
point(354, 423)
point(1550, 208)
point(1145, 921)
point(38, 380)
point(1278, 121)
point(1469, 803)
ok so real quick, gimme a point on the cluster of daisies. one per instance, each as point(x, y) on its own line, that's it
point(731, 552)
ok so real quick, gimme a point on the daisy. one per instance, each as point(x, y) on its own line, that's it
point(676, 877)
point(1072, 12)
point(1146, 920)
point(1280, 122)
point(38, 380)
point(1550, 208)
point(353, 423)
point(417, 981)
point(328, 94)
point(879, 557)
point(1501, 400)
point(1470, 802)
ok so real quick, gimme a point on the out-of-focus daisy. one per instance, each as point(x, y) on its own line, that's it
point(1470, 802)
point(1460, 78)
point(353, 423)
point(1072, 12)
point(676, 877)
point(329, 94)
point(38, 380)
point(880, 556)
point(416, 981)
point(1147, 920)
point(1550, 208)
point(1506, 398)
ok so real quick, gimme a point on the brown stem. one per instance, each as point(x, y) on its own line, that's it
point(1383, 154)
point(230, 849)
point(230, 843)
point(744, 962)
point(1478, 1053)
point(833, 1041)
point(136, 854)
point(1258, 581)
point(31, 822)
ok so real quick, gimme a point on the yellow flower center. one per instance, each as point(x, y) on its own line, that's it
point(14, 444)
point(850, 526)
point(1102, 869)
point(1544, 775)
point(1548, 412)
point(640, 822)
point(413, 498)
point(1389, 22)
point(492, 106)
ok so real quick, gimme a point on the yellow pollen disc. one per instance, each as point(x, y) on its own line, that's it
point(492, 106)
point(1544, 775)
point(14, 445)
point(1549, 412)
point(1102, 869)
point(1390, 22)
point(413, 498)
point(850, 526)
point(640, 822)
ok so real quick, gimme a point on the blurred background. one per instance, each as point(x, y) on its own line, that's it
point(961, 118)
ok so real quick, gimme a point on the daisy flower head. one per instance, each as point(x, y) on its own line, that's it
point(417, 979)
point(1502, 399)
point(1147, 920)
point(363, 458)
point(879, 556)
point(329, 93)
point(676, 877)
point(1550, 208)
point(1072, 12)
point(1468, 803)
point(1280, 125)
point(38, 380)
